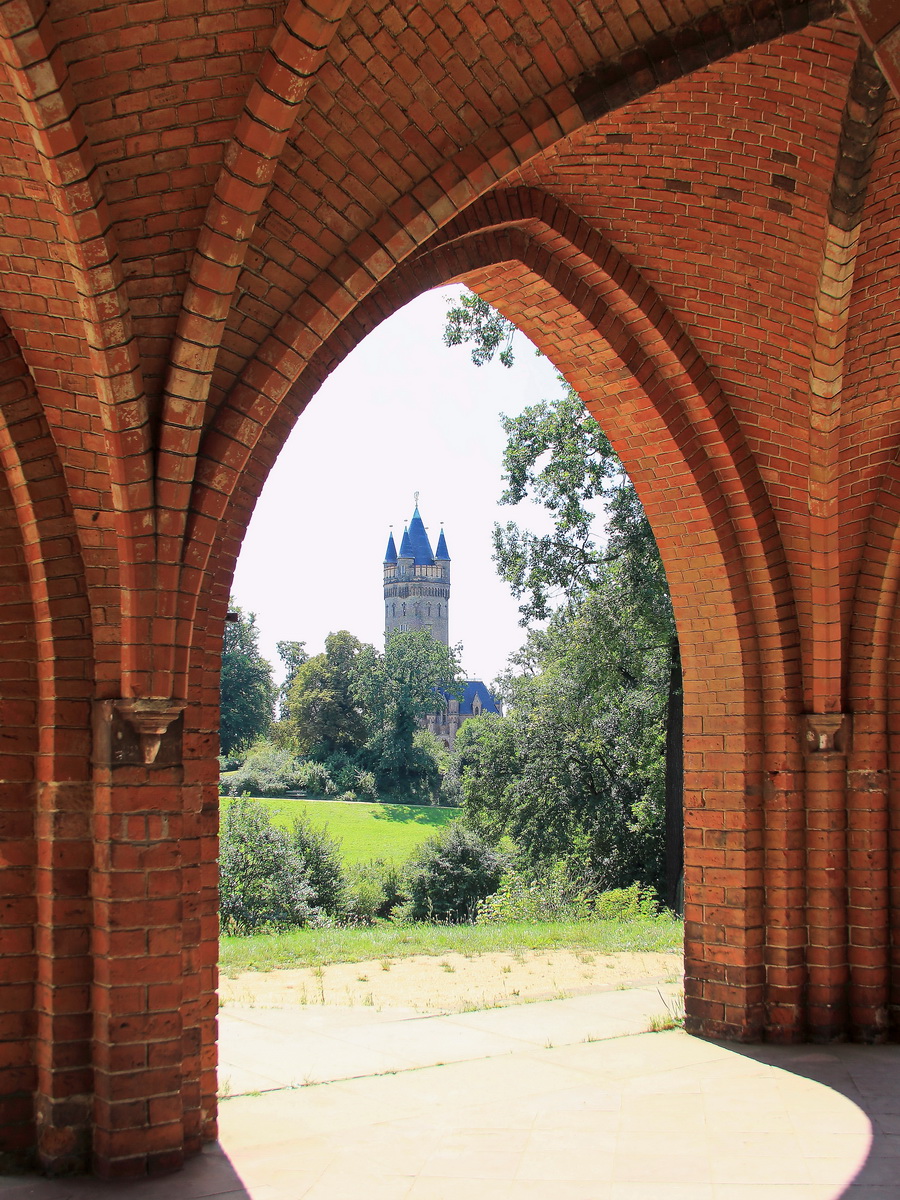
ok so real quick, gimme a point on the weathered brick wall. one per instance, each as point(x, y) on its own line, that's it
point(203, 209)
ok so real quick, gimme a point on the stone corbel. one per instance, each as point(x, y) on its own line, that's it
point(150, 719)
point(827, 733)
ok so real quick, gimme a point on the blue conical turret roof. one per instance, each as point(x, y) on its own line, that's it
point(390, 555)
point(419, 543)
point(406, 550)
point(442, 551)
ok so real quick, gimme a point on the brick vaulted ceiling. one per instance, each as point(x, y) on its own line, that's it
point(196, 194)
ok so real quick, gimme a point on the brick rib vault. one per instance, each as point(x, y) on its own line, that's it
point(693, 209)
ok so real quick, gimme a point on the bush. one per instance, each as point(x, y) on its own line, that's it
point(261, 876)
point(556, 896)
point(365, 785)
point(551, 896)
point(620, 904)
point(320, 855)
point(314, 777)
point(374, 890)
point(230, 762)
point(266, 771)
point(449, 875)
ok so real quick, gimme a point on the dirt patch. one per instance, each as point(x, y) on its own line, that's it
point(451, 982)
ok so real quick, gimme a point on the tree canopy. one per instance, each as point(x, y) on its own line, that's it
point(580, 758)
point(247, 692)
point(324, 714)
point(398, 689)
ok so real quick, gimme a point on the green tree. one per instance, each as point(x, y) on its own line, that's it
point(247, 692)
point(293, 655)
point(398, 689)
point(324, 713)
point(557, 455)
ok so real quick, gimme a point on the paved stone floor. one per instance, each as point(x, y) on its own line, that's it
point(565, 1100)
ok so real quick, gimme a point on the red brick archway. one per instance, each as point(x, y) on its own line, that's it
point(204, 211)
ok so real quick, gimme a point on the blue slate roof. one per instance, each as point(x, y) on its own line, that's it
point(471, 689)
point(475, 687)
point(419, 543)
point(406, 550)
point(441, 552)
point(390, 555)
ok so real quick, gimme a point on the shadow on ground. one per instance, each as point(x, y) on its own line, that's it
point(868, 1076)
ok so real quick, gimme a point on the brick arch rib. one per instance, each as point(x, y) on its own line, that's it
point(664, 370)
point(60, 791)
point(39, 76)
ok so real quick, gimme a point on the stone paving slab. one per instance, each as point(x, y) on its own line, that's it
point(261, 1049)
point(641, 1117)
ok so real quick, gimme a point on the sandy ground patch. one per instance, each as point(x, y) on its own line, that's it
point(451, 982)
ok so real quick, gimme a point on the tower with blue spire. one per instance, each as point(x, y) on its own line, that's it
point(417, 582)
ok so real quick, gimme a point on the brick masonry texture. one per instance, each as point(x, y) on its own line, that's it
point(692, 208)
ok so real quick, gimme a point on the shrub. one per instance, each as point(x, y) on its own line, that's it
point(314, 777)
point(342, 770)
point(374, 889)
point(320, 855)
point(230, 762)
point(266, 771)
point(623, 903)
point(551, 896)
point(261, 876)
point(449, 875)
point(365, 785)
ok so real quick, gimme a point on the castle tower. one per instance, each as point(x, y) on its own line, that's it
point(417, 583)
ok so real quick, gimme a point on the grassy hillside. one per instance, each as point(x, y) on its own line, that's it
point(388, 831)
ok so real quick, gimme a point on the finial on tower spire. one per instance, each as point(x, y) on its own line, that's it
point(416, 498)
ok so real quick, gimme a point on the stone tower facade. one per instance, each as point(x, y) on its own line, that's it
point(417, 583)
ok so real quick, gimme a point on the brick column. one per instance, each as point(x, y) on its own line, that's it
point(141, 1073)
point(826, 858)
point(868, 878)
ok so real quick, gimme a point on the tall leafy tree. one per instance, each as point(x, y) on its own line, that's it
point(557, 455)
point(324, 712)
point(293, 655)
point(398, 689)
point(247, 691)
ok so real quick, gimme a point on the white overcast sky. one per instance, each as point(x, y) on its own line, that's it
point(402, 413)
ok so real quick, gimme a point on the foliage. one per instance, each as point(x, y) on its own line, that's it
point(261, 876)
point(473, 321)
point(314, 777)
point(575, 768)
point(395, 940)
point(397, 689)
point(525, 896)
point(293, 655)
point(373, 891)
point(323, 713)
point(581, 757)
point(450, 875)
point(323, 866)
point(624, 904)
point(247, 692)
point(267, 770)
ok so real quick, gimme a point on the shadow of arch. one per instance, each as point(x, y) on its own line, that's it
point(869, 1078)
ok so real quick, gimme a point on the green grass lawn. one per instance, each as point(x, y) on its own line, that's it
point(388, 831)
point(311, 947)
